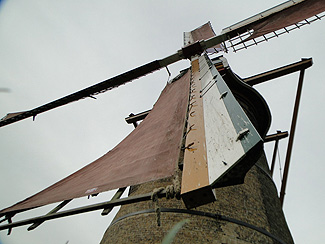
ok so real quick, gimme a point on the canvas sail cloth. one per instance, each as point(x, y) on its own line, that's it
point(288, 16)
point(149, 153)
point(203, 32)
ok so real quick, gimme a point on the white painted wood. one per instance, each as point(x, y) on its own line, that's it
point(223, 151)
point(188, 39)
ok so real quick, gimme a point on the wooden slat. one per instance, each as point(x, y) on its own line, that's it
point(196, 189)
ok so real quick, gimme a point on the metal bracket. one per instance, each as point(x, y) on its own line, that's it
point(242, 133)
point(223, 95)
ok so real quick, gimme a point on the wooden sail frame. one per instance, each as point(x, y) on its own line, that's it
point(271, 23)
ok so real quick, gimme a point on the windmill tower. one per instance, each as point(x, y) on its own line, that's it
point(215, 218)
point(221, 215)
point(186, 53)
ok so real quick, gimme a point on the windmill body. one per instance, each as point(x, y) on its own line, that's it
point(237, 209)
point(230, 223)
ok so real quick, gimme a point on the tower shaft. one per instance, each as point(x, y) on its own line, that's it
point(241, 213)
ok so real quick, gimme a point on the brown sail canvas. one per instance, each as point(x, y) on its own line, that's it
point(149, 153)
point(287, 17)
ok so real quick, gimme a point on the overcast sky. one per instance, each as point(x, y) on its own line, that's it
point(49, 49)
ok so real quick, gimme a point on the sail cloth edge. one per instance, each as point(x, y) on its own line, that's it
point(149, 152)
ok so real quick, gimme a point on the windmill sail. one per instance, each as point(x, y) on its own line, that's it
point(149, 153)
point(203, 32)
point(274, 22)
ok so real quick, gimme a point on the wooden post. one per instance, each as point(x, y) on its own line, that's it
point(291, 136)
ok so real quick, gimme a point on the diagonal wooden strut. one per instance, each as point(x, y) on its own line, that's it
point(55, 210)
point(117, 195)
point(276, 137)
point(291, 137)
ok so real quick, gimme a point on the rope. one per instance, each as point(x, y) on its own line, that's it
point(154, 198)
point(172, 191)
point(177, 187)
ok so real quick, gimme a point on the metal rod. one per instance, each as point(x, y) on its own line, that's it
point(205, 214)
point(291, 136)
point(117, 195)
point(274, 156)
point(56, 209)
point(89, 208)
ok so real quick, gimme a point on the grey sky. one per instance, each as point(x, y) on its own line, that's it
point(50, 49)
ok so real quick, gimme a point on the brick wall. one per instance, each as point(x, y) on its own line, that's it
point(255, 202)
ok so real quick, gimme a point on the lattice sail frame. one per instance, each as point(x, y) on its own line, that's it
point(243, 41)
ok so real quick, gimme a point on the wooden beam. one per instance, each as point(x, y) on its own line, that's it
point(196, 189)
point(117, 195)
point(292, 135)
point(56, 209)
point(278, 72)
point(133, 118)
point(279, 135)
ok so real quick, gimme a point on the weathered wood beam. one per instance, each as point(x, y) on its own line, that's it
point(291, 137)
point(278, 72)
point(117, 195)
point(134, 118)
point(55, 210)
point(279, 135)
